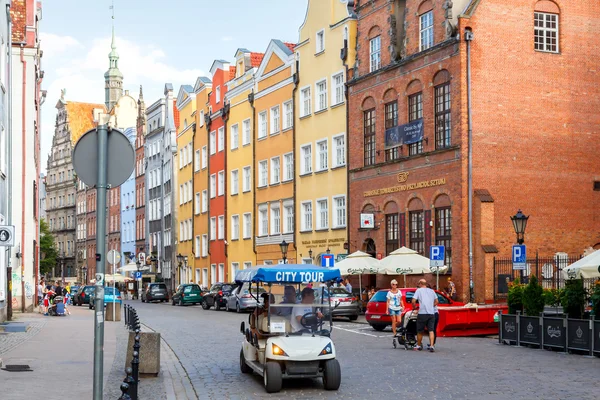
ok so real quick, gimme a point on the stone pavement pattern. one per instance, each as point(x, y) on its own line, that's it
point(208, 343)
point(11, 340)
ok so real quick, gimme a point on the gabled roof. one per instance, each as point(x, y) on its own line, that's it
point(81, 118)
point(278, 48)
point(201, 82)
point(184, 93)
point(176, 116)
point(218, 64)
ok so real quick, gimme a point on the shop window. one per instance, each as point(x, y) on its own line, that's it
point(417, 231)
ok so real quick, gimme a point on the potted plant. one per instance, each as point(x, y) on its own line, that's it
point(533, 297)
point(573, 301)
point(515, 297)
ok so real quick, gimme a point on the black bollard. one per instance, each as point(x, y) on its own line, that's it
point(135, 368)
point(124, 390)
point(131, 383)
point(125, 314)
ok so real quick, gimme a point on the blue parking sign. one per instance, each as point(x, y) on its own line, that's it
point(519, 257)
point(437, 256)
point(138, 275)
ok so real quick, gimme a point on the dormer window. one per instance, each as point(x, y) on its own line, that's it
point(240, 68)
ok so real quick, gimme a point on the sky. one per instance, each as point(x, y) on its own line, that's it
point(158, 42)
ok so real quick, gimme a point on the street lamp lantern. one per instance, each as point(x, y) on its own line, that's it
point(284, 249)
point(310, 253)
point(180, 258)
point(519, 221)
point(84, 270)
point(328, 251)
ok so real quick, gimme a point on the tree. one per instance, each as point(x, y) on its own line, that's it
point(48, 250)
point(515, 297)
point(533, 297)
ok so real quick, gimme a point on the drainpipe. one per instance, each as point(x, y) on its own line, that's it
point(208, 123)
point(468, 39)
point(9, 156)
point(296, 78)
point(251, 101)
point(344, 57)
point(194, 194)
point(225, 117)
point(23, 172)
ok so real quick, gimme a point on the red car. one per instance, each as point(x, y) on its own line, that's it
point(377, 315)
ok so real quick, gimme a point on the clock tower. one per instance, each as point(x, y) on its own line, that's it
point(113, 78)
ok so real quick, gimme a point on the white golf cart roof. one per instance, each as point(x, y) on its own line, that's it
point(288, 273)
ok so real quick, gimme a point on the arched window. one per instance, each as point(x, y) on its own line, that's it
point(443, 226)
point(416, 226)
point(443, 112)
point(546, 24)
point(368, 107)
point(426, 38)
point(374, 48)
point(392, 231)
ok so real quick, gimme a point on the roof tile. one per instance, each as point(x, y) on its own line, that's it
point(81, 118)
point(176, 116)
point(290, 46)
point(256, 59)
point(231, 73)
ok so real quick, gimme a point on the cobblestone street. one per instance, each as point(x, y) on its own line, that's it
point(208, 343)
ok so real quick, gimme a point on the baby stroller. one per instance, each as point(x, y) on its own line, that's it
point(57, 307)
point(406, 334)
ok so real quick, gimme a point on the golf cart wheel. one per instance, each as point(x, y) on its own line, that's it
point(394, 342)
point(332, 375)
point(217, 306)
point(173, 302)
point(272, 377)
point(237, 308)
point(205, 305)
point(243, 366)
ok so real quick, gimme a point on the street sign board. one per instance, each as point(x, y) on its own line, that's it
point(121, 158)
point(437, 255)
point(142, 257)
point(7, 235)
point(519, 257)
point(327, 260)
point(113, 257)
point(138, 275)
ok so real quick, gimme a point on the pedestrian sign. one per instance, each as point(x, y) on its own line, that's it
point(327, 260)
point(519, 257)
point(437, 256)
point(137, 275)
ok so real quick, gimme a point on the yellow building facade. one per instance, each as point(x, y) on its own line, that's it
point(327, 45)
point(202, 88)
point(274, 182)
point(185, 164)
point(240, 166)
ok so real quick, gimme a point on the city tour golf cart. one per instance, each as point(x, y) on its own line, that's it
point(278, 348)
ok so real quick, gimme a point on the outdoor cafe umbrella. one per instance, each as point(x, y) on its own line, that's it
point(359, 263)
point(587, 268)
point(114, 278)
point(405, 261)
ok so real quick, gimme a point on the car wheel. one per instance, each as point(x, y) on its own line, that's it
point(332, 375)
point(272, 377)
point(173, 303)
point(90, 305)
point(353, 317)
point(205, 305)
point(180, 302)
point(217, 306)
point(243, 366)
point(237, 308)
point(378, 327)
point(227, 306)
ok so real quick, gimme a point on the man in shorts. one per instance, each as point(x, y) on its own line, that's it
point(426, 317)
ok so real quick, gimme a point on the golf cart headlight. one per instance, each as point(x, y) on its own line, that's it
point(326, 350)
point(278, 351)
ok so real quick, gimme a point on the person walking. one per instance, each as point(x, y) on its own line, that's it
point(426, 318)
point(40, 296)
point(436, 320)
point(348, 285)
point(394, 304)
point(451, 290)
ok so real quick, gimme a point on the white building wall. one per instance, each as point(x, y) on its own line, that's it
point(4, 108)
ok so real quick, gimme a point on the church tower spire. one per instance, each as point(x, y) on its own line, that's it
point(113, 78)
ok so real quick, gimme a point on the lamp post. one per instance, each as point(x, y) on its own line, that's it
point(519, 221)
point(310, 253)
point(84, 270)
point(284, 249)
point(180, 259)
point(62, 267)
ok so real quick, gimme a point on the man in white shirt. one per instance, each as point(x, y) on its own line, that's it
point(308, 298)
point(426, 318)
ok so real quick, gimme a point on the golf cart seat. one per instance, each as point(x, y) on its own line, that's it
point(264, 323)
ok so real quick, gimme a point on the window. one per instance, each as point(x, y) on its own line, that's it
point(247, 179)
point(443, 232)
point(204, 158)
point(288, 115)
point(426, 30)
point(288, 221)
point(306, 223)
point(305, 102)
point(234, 182)
point(204, 201)
point(213, 186)
point(246, 132)
point(263, 222)
point(338, 89)
point(235, 137)
point(288, 167)
point(321, 89)
point(320, 41)
point(275, 120)
point(221, 186)
point(415, 111)
point(546, 32)
point(213, 274)
point(247, 264)
point(181, 195)
point(235, 267)
point(275, 170)
point(222, 272)
point(218, 94)
point(369, 140)
point(221, 143)
point(391, 233)
point(235, 227)
point(375, 54)
point(323, 214)
point(391, 120)
point(339, 217)
point(213, 142)
point(180, 158)
point(204, 245)
point(221, 231)
point(247, 226)
point(275, 220)
point(417, 232)
point(262, 125)
point(263, 173)
point(306, 166)
point(197, 246)
point(323, 154)
point(197, 161)
point(339, 150)
point(201, 117)
point(213, 228)
point(443, 127)
point(197, 204)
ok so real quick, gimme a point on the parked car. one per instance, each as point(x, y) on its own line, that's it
point(241, 299)
point(155, 292)
point(377, 315)
point(217, 296)
point(188, 293)
point(83, 295)
point(111, 295)
point(343, 303)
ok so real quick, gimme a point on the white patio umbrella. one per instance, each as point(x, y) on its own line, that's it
point(587, 267)
point(405, 261)
point(132, 267)
point(359, 263)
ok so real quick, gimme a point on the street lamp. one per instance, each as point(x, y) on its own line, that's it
point(284, 249)
point(310, 253)
point(328, 251)
point(519, 221)
point(84, 270)
point(180, 259)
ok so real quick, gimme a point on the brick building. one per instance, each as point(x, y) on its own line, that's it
point(140, 179)
point(530, 68)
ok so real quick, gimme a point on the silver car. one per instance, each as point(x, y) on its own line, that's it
point(241, 299)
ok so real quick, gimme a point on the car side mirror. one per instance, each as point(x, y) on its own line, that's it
point(243, 328)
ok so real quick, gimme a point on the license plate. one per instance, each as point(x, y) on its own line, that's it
point(344, 303)
point(193, 295)
point(376, 316)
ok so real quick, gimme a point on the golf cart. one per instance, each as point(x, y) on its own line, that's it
point(287, 340)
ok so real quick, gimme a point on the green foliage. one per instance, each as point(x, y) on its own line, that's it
point(553, 297)
point(48, 250)
point(596, 300)
point(533, 297)
point(573, 301)
point(515, 297)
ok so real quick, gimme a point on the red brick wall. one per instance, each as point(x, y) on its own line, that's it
point(18, 12)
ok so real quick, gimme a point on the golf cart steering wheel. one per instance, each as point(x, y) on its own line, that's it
point(310, 320)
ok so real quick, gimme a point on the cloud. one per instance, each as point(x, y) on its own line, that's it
point(54, 44)
point(226, 39)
